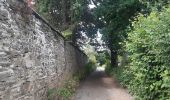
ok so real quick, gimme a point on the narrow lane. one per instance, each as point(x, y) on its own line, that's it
point(98, 86)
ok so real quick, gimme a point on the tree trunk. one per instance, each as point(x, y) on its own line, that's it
point(114, 53)
point(114, 58)
point(64, 22)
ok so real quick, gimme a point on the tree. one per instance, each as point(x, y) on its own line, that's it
point(57, 12)
point(112, 16)
point(116, 16)
point(73, 17)
point(86, 25)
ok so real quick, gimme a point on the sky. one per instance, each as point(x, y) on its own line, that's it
point(99, 35)
point(92, 5)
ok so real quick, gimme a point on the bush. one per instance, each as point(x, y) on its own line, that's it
point(89, 68)
point(67, 91)
point(149, 49)
point(148, 46)
point(122, 76)
point(108, 68)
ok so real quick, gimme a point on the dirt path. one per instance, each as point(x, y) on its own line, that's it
point(101, 87)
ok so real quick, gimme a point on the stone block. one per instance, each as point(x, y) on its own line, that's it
point(3, 15)
point(5, 74)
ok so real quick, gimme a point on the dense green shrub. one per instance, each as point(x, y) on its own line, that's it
point(108, 68)
point(89, 68)
point(148, 74)
point(122, 76)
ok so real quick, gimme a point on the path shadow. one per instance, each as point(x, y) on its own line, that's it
point(100, 79)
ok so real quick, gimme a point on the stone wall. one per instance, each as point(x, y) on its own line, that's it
point(33, 56)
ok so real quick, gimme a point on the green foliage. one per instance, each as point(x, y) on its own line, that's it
point(109, 68)
point(51, 94)
point(67, 91)
point(155, 3)
point(89, 68)
point(43, 6)
point(102, 58)
point(67, 34)
point(57, 12)
point(91, 53)
point(77, 9)
point(69, 88)
point(116, 15)
point(122, 75)
point(147, 75)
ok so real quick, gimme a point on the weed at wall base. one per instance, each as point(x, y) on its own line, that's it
point(68, 90)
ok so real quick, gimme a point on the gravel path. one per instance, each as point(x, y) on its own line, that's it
point(99, 86)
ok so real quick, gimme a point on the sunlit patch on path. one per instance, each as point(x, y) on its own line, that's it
point(98, 86)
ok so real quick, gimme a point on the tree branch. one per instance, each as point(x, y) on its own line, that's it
point(95, 3)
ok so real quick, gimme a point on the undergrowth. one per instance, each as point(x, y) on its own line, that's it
point(69, 88)
point(66, 92)
point(147, 74)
